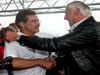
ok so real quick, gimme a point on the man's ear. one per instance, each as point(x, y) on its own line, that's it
point(22, 24)
point(78, 11)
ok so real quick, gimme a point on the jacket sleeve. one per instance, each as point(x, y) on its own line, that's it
point(82, 38)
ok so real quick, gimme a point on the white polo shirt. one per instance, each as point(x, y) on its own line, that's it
point(14, 49)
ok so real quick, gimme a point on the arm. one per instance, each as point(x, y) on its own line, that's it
point(78, 39)
point(19, 63)
point(74, 40)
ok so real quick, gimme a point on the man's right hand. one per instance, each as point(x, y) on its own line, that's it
point(10, 36)
point(48, 64)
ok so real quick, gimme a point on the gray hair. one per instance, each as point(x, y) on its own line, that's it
point(84, 9)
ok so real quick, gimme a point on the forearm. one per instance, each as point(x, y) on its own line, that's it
point(19, 63)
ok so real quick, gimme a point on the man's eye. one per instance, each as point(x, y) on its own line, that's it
point(35, 21)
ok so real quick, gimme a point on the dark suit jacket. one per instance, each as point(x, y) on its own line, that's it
point(81, 48)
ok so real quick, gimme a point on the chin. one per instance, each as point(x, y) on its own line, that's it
point(37, 31)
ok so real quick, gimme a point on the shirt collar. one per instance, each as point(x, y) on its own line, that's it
point(76, 24)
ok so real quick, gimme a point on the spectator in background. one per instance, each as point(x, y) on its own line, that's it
point(6, 63)
point(2, 40)
point(14, 26)
point(2, 43)
point(2, 30)
point(1, 49)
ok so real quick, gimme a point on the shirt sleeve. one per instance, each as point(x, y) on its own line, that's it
point(10, 49)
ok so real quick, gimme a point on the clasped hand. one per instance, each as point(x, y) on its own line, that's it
point(48, 63)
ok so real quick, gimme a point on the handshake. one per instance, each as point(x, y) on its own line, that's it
point(47, 63)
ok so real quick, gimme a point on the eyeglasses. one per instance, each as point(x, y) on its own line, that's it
point(35, 21)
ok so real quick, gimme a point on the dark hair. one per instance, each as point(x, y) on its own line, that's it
point(22, 16)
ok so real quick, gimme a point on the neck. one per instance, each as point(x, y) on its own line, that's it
point(79, 18)
point(27, 33)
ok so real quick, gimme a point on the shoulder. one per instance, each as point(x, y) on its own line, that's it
point(11, 44)
point(43, 34)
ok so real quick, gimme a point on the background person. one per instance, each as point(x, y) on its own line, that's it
point(14, 26)
point(6, 66)
point(2, 43)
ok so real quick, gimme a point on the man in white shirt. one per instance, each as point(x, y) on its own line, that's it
point(27, 61)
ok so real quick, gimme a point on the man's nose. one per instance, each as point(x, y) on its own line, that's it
point(65, 17)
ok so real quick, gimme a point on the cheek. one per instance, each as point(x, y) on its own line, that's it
point(28, 27)
point(66, 17)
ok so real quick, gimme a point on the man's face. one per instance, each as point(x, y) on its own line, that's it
point(70, 16)
point(31, 26)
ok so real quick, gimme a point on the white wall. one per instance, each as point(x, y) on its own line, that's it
point(54, 24)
